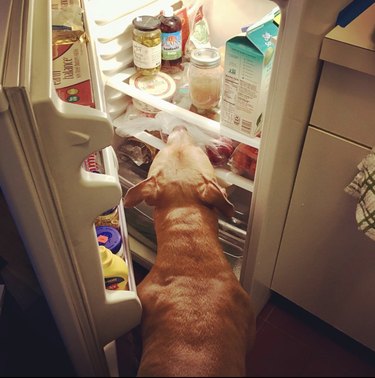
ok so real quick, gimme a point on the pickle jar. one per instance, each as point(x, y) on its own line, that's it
point(147, 44)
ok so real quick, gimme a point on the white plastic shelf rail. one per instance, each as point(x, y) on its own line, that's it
point(118, 83)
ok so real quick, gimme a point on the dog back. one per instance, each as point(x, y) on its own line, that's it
point(197, 319)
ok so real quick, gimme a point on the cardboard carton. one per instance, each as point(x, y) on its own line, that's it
point(71, 73)
point(247, 71)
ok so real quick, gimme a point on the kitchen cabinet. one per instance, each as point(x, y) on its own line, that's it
point(325, 264)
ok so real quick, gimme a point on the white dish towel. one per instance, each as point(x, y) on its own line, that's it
point(363, 188)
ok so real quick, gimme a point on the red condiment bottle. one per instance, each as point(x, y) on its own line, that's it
point(171, 41)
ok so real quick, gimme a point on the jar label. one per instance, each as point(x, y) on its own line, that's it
point(112, 283)
point(146, 57)
point(171, 45)
point(156, 85)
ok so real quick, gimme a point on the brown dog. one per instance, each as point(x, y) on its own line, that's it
point(197, 319)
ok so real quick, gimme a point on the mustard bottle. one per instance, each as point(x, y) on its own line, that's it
point(115, 270)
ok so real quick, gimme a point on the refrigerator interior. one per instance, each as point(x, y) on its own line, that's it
point(111, 33)
point(251, 241)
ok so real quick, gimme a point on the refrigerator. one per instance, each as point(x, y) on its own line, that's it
point(45, 141)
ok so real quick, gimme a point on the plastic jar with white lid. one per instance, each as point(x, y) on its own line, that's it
point(160, 85)
point(109, 237)
point(205, 78)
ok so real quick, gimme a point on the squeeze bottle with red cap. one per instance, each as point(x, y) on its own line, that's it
point(171, 41)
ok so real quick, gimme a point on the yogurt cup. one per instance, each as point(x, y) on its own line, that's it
point(160, 85)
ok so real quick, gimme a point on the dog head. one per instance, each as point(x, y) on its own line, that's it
point(181, 173)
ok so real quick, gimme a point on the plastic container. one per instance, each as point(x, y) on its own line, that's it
point(171, 41)
point(147, 44)
point(109, 218)
point(115, 270)
point(109, 237)
point(205, 78)
point(160, 85)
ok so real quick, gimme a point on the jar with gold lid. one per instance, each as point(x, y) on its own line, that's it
point(147, 44)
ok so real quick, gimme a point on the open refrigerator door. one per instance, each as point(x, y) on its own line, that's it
point(54, 196)
point(140, 133)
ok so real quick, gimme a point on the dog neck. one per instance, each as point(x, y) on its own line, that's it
point(194, 226)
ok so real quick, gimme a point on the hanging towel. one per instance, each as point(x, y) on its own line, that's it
point(363, 188)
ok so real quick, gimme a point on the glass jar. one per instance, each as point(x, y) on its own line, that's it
point(109, 218)
point(147, 44)
point(205, 78)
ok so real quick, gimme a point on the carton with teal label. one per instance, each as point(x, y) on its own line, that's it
point(247, 72)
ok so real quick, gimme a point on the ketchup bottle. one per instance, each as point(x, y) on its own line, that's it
point(171, 41)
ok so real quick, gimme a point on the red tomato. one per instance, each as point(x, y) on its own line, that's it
point(244, 160)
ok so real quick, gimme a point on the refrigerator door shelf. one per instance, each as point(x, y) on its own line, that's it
point(109, 11)
point(111, 167)
point(54, 139)
point(111, 20)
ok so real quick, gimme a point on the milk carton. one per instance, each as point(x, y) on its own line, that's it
point(247, 71)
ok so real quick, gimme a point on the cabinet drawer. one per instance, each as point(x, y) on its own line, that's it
point(325, 264)
point(345, 104)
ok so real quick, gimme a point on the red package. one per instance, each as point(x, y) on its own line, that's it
point(244, 161)
point(185, 29)
point(219, 151)
point(71, 73)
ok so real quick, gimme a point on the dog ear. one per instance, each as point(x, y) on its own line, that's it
point(145, 190)
point(212, 194)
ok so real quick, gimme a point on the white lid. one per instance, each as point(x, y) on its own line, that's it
point(205, 57)
point(168, 12)
point(160, 84)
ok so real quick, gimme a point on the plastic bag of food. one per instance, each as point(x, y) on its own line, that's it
point(244, 161)
point(67, 24)
point(199, 36)
point(219, 150)
point(163, 122)
point(137, 151)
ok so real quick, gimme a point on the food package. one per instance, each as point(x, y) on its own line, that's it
point(62, 4)
point(93, 163)
point(71, 73)
point(247, 71)
point(185, 29)
point(137, 151)
point(160, 85)
point(219, 150)
point(67, 22)
point(244, 161)
point(199, 36)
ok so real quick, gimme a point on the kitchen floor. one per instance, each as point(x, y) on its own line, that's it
point(290, 342)
point(293, 343)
